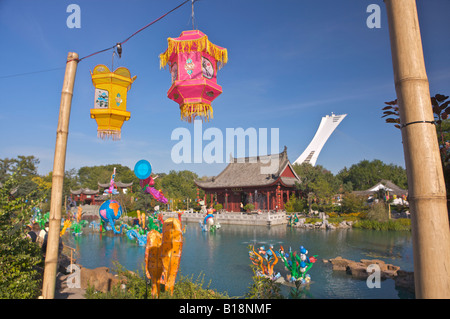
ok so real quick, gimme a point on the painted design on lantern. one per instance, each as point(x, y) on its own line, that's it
point(101, 99)
point(174, 71)
point(207, 68)
point(189, 66)
point(118, 99)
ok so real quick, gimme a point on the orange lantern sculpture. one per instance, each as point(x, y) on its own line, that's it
point(110, 108)
point(193, 62)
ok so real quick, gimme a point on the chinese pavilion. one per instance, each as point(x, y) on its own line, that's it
point(85, 195)
point(95, 197)
point(248, 180)
point(122, 187)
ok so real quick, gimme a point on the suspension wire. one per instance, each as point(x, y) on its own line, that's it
point(117, 45)
point(193, 24)
point(28, 73)
point(141, 29)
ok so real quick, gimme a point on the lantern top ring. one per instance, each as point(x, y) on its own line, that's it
point(193, 40)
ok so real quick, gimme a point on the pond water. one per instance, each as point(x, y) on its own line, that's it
point(222, 257)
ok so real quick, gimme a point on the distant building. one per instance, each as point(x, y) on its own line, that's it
point(399, 195)
point(121, 187)
point(85, 195)
point(245, 181)
point(95, 197)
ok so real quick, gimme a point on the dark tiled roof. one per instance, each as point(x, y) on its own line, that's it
point(252, 171)
point(85, 191)
point(387, 184)
point(118, 184)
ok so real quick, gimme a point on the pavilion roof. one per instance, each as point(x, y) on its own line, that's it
point(118, 184)
point(253, 172)
point(387, 185)
point(85, 191)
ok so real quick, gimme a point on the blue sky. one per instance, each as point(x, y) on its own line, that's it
point(290, 63)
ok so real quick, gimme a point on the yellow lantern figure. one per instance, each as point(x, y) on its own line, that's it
point(110, 107)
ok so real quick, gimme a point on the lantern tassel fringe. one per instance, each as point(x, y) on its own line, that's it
point(190, 111)
point(106, 134)
point(200, 45)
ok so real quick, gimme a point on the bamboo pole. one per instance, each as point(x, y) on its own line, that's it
point(426, 187)
point(51, 259)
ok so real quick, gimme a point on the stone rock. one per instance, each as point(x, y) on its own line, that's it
point(100, 278)
point(344, 224)
point(405, 280)
point(339, 263)
point(359, 269)
point(330, 226)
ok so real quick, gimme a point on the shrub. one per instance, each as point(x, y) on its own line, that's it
point(249, 207)
point(399, 224)
point(263, 288)
point(19, 257)
point(378, 212)
point(137, 287)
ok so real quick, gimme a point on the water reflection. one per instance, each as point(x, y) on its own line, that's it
point(223, 256)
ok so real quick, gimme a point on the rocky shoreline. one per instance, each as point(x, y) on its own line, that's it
point(358, 270)
point(324, 224)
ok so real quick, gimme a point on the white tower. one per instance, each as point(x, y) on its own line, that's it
point(327, 125)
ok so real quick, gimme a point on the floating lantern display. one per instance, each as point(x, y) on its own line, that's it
point(193, 62)
point(110, 108)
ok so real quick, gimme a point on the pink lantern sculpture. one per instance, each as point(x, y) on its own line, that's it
point(193, 62)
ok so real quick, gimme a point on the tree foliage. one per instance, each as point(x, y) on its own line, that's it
point(367, 173)
point(89, 177)
point(441, 111)
point(19, 256)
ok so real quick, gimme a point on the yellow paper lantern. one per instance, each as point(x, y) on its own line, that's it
point(110, 107)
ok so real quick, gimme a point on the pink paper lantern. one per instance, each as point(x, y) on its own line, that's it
point(194, 62)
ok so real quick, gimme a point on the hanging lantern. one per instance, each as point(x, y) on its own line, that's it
point(194, 62)
point(110, 108)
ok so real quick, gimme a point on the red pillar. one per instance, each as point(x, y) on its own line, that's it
point(268, 201)
point(226, 201)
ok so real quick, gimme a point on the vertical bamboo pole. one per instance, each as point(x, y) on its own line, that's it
point(51, 258)
point(426, 187)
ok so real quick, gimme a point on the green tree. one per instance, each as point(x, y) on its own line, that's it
point(441, 111)
point(26, 168)
point(352, 203)
point(367, 173)
point(89, 177)
point(317, 184)
point(19, 257)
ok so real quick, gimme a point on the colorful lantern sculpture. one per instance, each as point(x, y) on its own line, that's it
point(193, 62)
point(110, 108)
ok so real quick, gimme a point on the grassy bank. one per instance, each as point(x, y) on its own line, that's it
point(393, 224)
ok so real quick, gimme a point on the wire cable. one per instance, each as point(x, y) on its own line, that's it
point(28, 73)
point(118, 45)
point(141, 29)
